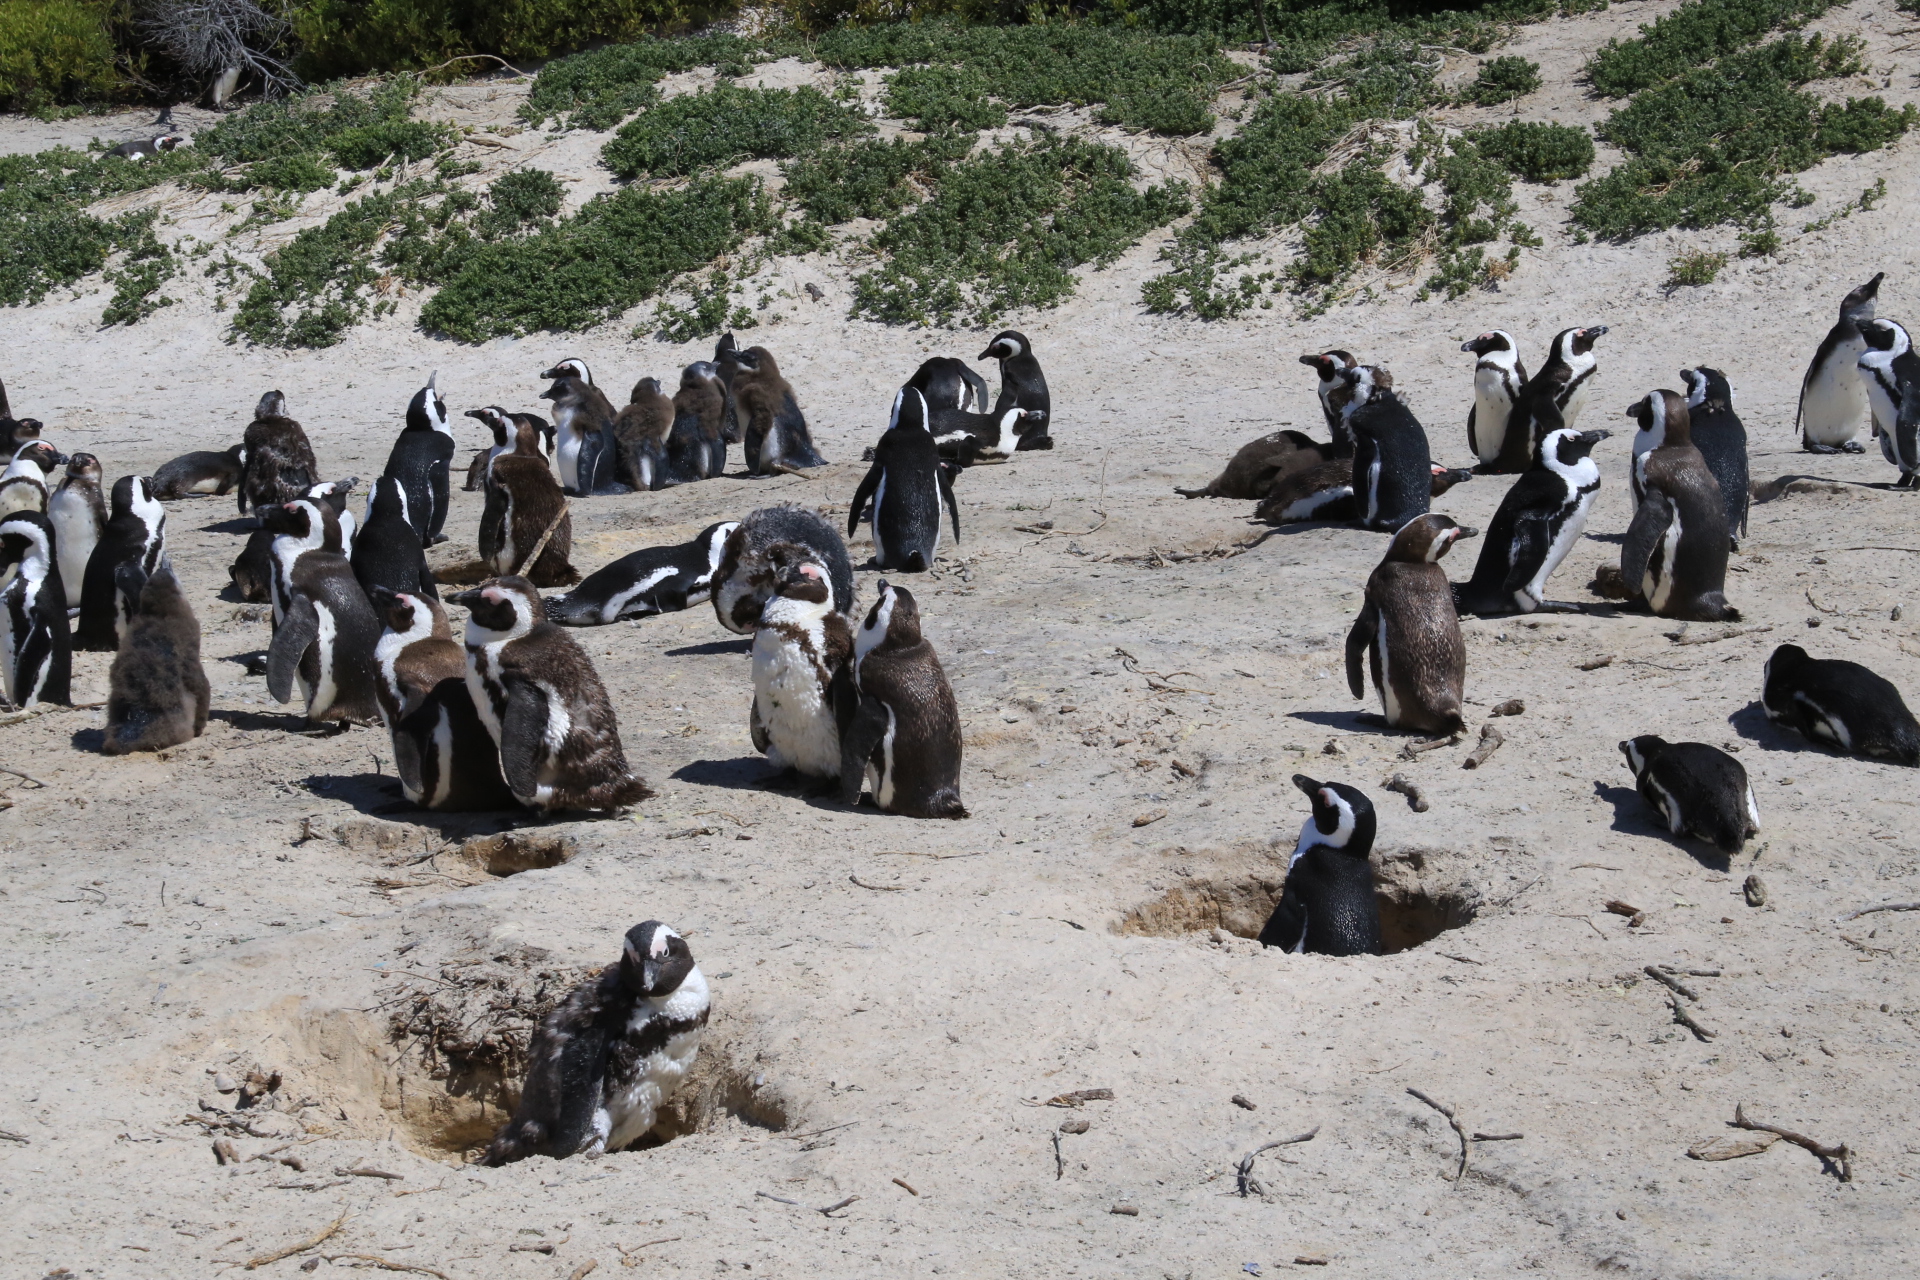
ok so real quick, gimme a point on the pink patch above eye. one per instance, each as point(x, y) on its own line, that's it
point(811, 571)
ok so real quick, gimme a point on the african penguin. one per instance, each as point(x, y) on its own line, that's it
point(137, 531)
point(1259, 465)
point(36, 650)
point(1022, 386)
point(899, 724)
point(1721, 438)
point(1321, 492)
point(775, 435)
point(1392, 468)
point(324, 630)
point(603, 1065)
point(200, 473)
point(159, 691)
point(79, 514)
point(27, 481)
point(1675, 553)
point(277, 460)
point(1498, 376)
point(1697, 790)
point(386, 549)
point(641, 430)
point(422, 460)
point(252, 572)
point(1550, 400)
point(583, 419)
point(147, 148)
point(15, 432)
point(525, 505)
point(1329, 365)
point(726, 359)
point(1409, 634)
point(1890, 369)
point(500, 423)
point(948, 383)
point(1539, 521)
point(745, 581)
point(973, 438)
point(645, 582)
point(442, 751)
point(906, 486)
point(334, 493)
point(696, 446)
point(1327, 906)
point(800, 649)
point(1833, 399)
point(543, 704)
point(1841, 705)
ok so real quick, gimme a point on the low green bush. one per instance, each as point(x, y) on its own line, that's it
point(313, 289)
point(54, 51)
point(1692, 268)
point(944, 97)
point(1539, 152)
point(47, 239)
point(725, 125)
point(600, 88)
point(1502, 80)
point(1690, 37)
point(369, 146)
point(871, 179)
point(138, 280)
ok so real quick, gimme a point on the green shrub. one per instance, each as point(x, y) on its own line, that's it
point(519, 200)
point(369, 146)
point(300, 171)
point(709, 311)
point(1694, 267)
point(725, 125)
point(314, 288)
point(1860, 124)
point(47, 239)
point(54, 50)
point(137, 282)
point(944, 97)
point(1690, 37)
point(1539, 152)
point(599, 89)
point(1502, 80)
point(872, 179)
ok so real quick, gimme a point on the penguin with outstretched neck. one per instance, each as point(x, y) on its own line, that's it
point(422, 460)
point(1833, 399)
point(1327, 906)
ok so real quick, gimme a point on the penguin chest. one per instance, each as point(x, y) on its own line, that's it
point(637, 1087)
point(318, 675)
point(1567, 525)
point(485, 686)
point(879, 506)
point(1384, 677)
point(1835, 397)
point(16, 627)
point(1492, 404)
point(634, 601)
point(1883, 398)
point(790, 693)
point(568, 458)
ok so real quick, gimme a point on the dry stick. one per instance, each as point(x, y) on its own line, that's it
point(385, 1264)
point(1685, 1019)
point(21, 1138)
point(829, 1211)
point(1414, 750)
point(1885, 906)
point(370, 1173)
point(1059, 1161)
point(878, 888)
point(1245, 1170)
point(1822, 608)
point(1732, 633)
point(1673, 982)
point(1839, 1154)
point(1491, 740)
point(906, 1186)
point(472, 57)
point(584, 1270)
point(541, 545)
point(1498, 1137)
point(1692, 973)
point(1466, 1144)
point(1415, 801)
point(301, 1247)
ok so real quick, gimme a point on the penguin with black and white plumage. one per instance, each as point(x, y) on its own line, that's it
point(1833, 399)
point(899, 724)
point(422, 462)
point(1674, 558)
point(324, 630)
point(1328, 366)
point(800, 653)
point(1550, 400)
point(1539, 521)
point(442, 751)
point(949, 383)
point(386, 550)
point(1022, 386)
point(646, 582)
point(159, 691)
point(525, 510)
point(906, 485)
point(136, 531)
point(1408, 632)
point(27, 482)
point(140, 149)
point(1392, 465)
point(202, 473)
point(1890, 368)
point(586, 451)
point(1721, 438)
point(973, 438)
point(1327, 906)
point(604, 1063)
point(500, 423)
point(78, 513)
point(252, 571)
point(1698, 790)
point(36, 649)
point(1498, 376)
point(1839, 704)
point(745, 581)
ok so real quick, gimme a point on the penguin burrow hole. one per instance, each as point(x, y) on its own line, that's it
point(508, 853)
point(1421, 893)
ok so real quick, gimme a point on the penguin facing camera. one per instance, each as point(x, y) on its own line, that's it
point(1833, 398)
point(444, 755)
point(1539, 521)
point(36, 649)
point(277, 463)
point(906, 485)
point(1721, 438)
point(1697, 790)
point(1392, 467)
point(745, 580)
point(1022, 386)
point(1498, 376)
point(1327, 906)
point(1674, 557)
point(78, 514)
point(800, 650)
point(899, 724)
point(774, 431)
point(526, 511)
point(422, 462)
point(1409, 634)
point(1840, 705)
point(603, 1065)
point(137, 532)
point(1890, 368)
point(202, 473)
point(586, 452)
point(646, 582)
point(159, 691)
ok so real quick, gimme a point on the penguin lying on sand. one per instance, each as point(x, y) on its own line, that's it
point(899, 723)
point(603, 1065)
point(202, 473)
point(1697, 790)
point(1890, 368)
point(1841, 705)
point(1259, 464)
point(1409, 634)
point(1833, 399)
point(1327, 906)
point(1539, 521)
point(148, 148)
point(160, 693)
point(645, 582)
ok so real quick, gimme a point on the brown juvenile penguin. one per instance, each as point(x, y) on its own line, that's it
point(1409, 633)
point(524, 502)
point(641, 430)
point(899, 723)
point(1675, 554)
point(159, 691)
point(776, 435)
point(202, 472)
point(442, 751)
point(278, 464)
point(1253, 471)
point(695, 447)
point(543, 703)
point(1323, 491)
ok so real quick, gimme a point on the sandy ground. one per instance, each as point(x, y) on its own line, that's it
point(255, 900)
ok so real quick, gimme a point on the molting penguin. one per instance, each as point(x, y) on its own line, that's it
point(799, 651)
point(200, 473)
point(1392, 468)
point(1841, 705)
point(1329, 365)
point(324, 630)
point(500, 423)
point(1721, 438)
point(27, 481)
point(1697, 790)
point(1409, 633)
point(906, 485)
point(1551, 399)
point(1321, 492)
point(36, 651)
point(159, 694)
point(525, 505)
point(543, 703)
point(1022, 386)
point(442, 751)
point(252, 572)
point(1833, 399)
point(277, 458)
point(421, 460)
point(586, 451)
point(137, 531)
point(1539, 520)
point(948, 383)
point(899, 723)
point(79, 515)
point(1675, 553)
point(1498, 376)
point(606, 1061)
point(696, 445)
point(1890, 368)
point(1327, 906)
point(745, 581)
point(387, 551)
point(645, 582)
point(775, 432)
point(1253, 471)
point(642, 429)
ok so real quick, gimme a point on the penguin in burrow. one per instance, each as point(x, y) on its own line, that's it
point(1409, 634)
point(136, 531)
point(1839, 704)
point(36, 649)
point(27, 482)
point(800, 649)
point(1674, 557)
point(202, 473)
point(1833, 398)
point(1498, 376)
point(1022, 386)
point(387, 550)
point(649, 581)
point(745, 581)
point(1721, 438)
point(324, 628)
point(1327, 905)
point(159, 694)
point(950, 383)
point(278, 459)
point(1698, 790)
point(899, 724)
point(445, 757)
point(1540, 519)
point(1890, 368)
point(422, 461)
point(78, 513)
point(906, 485)
point(1392, 465)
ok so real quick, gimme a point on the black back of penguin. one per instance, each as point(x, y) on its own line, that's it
point(135, 531)
point(1022, 385)
point(1392, 464)
point(386, 549)
point(1698, 790)
point(1841, 705)
point(906, 485)
point(1327, 906)
point(645, 582)
point(39, 648)
point(422, 461)
point(948, 383)
point(1721, 438)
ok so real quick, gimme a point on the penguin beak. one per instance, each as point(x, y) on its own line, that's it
point(1465, 531)
point(465, 599)
point(1307, 785)
point(1595, 437)
point(1593, 331)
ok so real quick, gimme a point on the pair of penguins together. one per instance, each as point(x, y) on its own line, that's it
point(1864, 368)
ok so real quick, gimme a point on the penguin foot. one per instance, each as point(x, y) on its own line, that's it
point(1853, 446)
point(1810, 447)
point(436, 539)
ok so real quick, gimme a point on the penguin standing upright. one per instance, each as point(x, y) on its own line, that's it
point(422, 461)
point(1721, 438)
point(442, 751)
point(645, 582)
point(136, 531)
point(604, 1063)
point(1022, 386)
point(387, 550)
point(641, 430)
point(948, 383)
point(799, 650)
point(278, 459)
point(27, 482)
point(1833, 399)
point(1839, 704)
point(1698, 790)
point(906, 485)
point(745, 581)
point(1329, 365)
point(1890, 368)
point(525, 506)
point(1392, 467)
point(79, 515)
point(696, 446)
point(1409, 633)
point(1539, 520)
point(1675, 553)
point(200, 473)
point(324, 630)
point(1498, 376)
point(500, 423)
point(585, 453)
point(1327, 906)
point(36, 650)
point(543, 704)
point(1551, 399)
point(774, 430)
point(159, 691)
point(899, 723)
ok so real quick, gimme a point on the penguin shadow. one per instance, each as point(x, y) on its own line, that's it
point(254, 663)
point(1295, 527)
point(745, 773)
point(258, 721)
point(239, 524)
point(1751, 723)
point(1632, 817)
point(1352, 722)
point(89, 740)
point(712, 649)
point(378, 796)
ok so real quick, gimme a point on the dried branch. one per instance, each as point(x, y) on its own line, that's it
point(1838, 1154)
point(302, 1246)
point(1491, 740)
point(1415, 800)
point(1248, 1185)
point(211, 37)
point(1672, 982)
point(1685, 1019)
point(1466, 1143)
point(1885, 906)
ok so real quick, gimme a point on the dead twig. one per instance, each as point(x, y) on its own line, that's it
point(318, 1237)
point(369, 1173)
point(878, 888)
point(1415, 800)
point(837, 1205)
point(1672, 982)
point(1076, 1098)
point(1885, 906)
point(1685, 1019)
point(1498, 1137)
point(626, 1254)
point(584, 1270)
point(1059, 1161)
point(906, 1186)
point(1594, 664)
point(1414, 750)
point(1731, 633)
point(10, 1136)
point(1491, 740)
point(541, 545)
point(1466, 1143)
point(1822, 608)
point(385, 1264)
point(1838, 1154)
point(1158, 681)
point(1248, 1184)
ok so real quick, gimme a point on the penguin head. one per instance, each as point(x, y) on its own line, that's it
point(84, 466)
point(1424, 539)
point(409, 615)
point(1329, 365)
point(1358, 386)
point(530, 439)
point(428, 409)
point(495, 420)
point(571, 367)
point(798, 573)
point(1707, 386)
point(757, 360)
point(655, 960)
point(167, 141)
point(893, 620)
point(1640, 752)
point(1490, 342)
point(1785, 659)
point(1663, 420)
point(698, 375)
point(715, 538)
point(42, 455)
point(1565, 448)
point(566, 389)
point(24, 535)
point(645, 390)
point(1342, 819)
point(727, 346)
point(909, 410)
point(1886, 342)
point(500, 608)
point(1572, 344)
point(1005, 346)
point(1444, 478)
point(272, 405)
point(309, 521)
point(387, 499)
point(333, 494)
point(1858, 305)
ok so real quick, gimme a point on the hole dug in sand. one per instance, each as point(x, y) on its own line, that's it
point(511, 852)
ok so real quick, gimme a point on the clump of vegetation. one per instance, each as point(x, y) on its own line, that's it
point(1690, 37)
point(47, 239)
point(1692, 268)
point(944, 97)
point(871, 179)
point(725, 125)
point(54, 50)
point(1502, 80)
point(709, 310)
point(138, 280)
point(600, 88)
point(1539, 152)
point(313, 289)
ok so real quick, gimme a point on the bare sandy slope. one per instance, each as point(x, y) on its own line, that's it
point(893, 1000)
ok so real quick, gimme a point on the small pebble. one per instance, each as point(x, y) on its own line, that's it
point(224, 1083)
point(1755, 890)
point(1126, 1210)
point(1075, 1124)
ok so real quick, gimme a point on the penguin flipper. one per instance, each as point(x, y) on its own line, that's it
point(945, 474)
point(861, 496)
point(1650, 520)
point(858, 738)
point(1531, 542)
point(406, 752)
point(1359, 642)
point(439, 481)
point(976, 384)
point(298, 629)
point(523, 730)
point(1286, 928)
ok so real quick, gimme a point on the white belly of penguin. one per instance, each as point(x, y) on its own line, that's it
point(1387, 698)
point(443, 762)
point(12, 612)
point(801, 731)
point(1530, 597)
point(321, 695)
point(1836, 399)
point(73, 539)
point(611, 611)
point(568, 456)
point(628, 1110)
point(880, 777)
point(1657, 584)
point(1490, 411)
